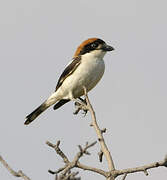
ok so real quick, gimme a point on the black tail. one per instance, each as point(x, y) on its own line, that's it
point(35, 113)
point(60, 103)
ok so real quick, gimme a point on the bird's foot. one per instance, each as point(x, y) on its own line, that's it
point(80, 104)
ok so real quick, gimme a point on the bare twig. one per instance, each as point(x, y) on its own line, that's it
point(99, 133)
point(141, 168)
point(14, 173)
point(58, 150)
point(81, 152)
point(75, 163)
point(93, 169)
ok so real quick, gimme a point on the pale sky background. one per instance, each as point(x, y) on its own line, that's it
point(37, 40)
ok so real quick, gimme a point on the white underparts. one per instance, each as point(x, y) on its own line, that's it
point(88, 74)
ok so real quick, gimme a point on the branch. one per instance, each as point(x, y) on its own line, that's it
point(113, 173)
point(96, 170)
point(143, 169)
point(99, 133)
point(14, 173)
point(58, 151)
point(75, 162)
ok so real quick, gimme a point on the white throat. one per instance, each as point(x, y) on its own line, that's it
point(96, 54)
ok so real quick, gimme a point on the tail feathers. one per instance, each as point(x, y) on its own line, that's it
point(31, 117)
point(60, 103)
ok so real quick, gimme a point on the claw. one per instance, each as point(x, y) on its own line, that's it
point(80, 105)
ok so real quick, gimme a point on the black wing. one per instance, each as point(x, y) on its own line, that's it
point(68, 70)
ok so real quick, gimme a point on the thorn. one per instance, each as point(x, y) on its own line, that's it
point(58, 143)
point(103, 130)
point(145, 172)
point(157, 164)
point(52, 172)
point(100, 154)
point(80, 148)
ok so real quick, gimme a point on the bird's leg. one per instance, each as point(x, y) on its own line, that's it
point(83, 100)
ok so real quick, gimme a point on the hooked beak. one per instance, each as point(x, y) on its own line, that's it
point(106, 47)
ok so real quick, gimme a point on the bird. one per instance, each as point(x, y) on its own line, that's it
point(84, 70)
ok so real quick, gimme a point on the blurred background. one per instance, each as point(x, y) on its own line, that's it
point(38, 38)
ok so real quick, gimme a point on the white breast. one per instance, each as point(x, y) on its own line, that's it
point(88, 74)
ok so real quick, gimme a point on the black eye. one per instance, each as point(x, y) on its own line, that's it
point(94, 45)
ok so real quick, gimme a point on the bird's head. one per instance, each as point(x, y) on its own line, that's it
point(94, 46)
